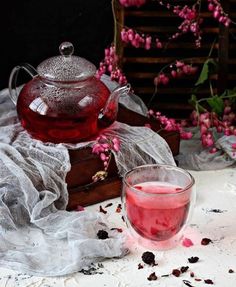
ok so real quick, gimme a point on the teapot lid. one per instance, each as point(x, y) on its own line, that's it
point(66, 67)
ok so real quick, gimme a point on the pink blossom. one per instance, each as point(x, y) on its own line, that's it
point(110, 64)
point(158, 44)
point(105, 163)
point(103, 147)
point(97, 148)
point(215, 7)
point(213, 150)
point(148, 126)
point(183, 123)
point(148, 43)
point(150, 112)
point(161, 79)
point(173, 73)
point(203, 129)
point(186, 135)
point(233, 145)
point(227, 131)
point(79, 208)
point(116, 147)
point(211, 7)
point(102, 156)
point(179, 64)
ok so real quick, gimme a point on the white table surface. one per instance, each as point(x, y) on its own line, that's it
point(215, 190)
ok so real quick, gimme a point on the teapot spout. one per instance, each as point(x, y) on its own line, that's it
point(109, 113)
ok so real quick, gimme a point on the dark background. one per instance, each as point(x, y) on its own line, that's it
point(32, 30)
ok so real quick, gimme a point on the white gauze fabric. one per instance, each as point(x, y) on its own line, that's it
point(37, 235)
point(194, 156)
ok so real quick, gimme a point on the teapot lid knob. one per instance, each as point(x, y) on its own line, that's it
point(66, 49)
point(66, 67)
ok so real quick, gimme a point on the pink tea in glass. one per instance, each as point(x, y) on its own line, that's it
point(156, 218)
point(157, 201)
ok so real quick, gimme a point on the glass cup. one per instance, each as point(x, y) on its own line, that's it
point(157, 203)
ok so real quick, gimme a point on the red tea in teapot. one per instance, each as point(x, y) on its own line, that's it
point(57, 119)
point(64, 102)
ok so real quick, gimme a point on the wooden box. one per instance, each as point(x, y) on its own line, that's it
point(84, 164)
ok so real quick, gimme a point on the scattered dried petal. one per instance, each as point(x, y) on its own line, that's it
point(187, 242)
point(184, 269)
point(206, 241)
point(216, 210)
point(193, 259)
point(102, 210)
point(109, 204)
point(191, 274)
point(148, 257)
point(198, 279)
point(188, 283)
point(119, 208)
point(165, 275)
point(231, 271)
point(208, 281)
point(117, 229)
point(152, 277)
point(102, 234)
point(176, 272)
point(140, 266)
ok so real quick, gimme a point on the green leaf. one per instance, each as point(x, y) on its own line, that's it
point(204, 75)
point(217, 104)
point(194, 102)
point(232, 92)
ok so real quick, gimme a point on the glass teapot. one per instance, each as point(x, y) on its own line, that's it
point(64, 101)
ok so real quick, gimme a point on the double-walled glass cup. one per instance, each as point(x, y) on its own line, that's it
point(158, 202)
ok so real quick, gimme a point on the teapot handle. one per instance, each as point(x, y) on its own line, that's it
point(12, 84)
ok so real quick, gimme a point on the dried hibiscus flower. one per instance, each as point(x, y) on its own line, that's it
point(152, 277)
point(184, 269)
point(193, 259)
point(140, 266)
point(176, 272)
point(206, 241)
point(102, 234)
point(102, 210)
point(208, 281)
point(148, 257)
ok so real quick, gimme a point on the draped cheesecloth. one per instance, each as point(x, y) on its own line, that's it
point(37, 234)
point(194, 156)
